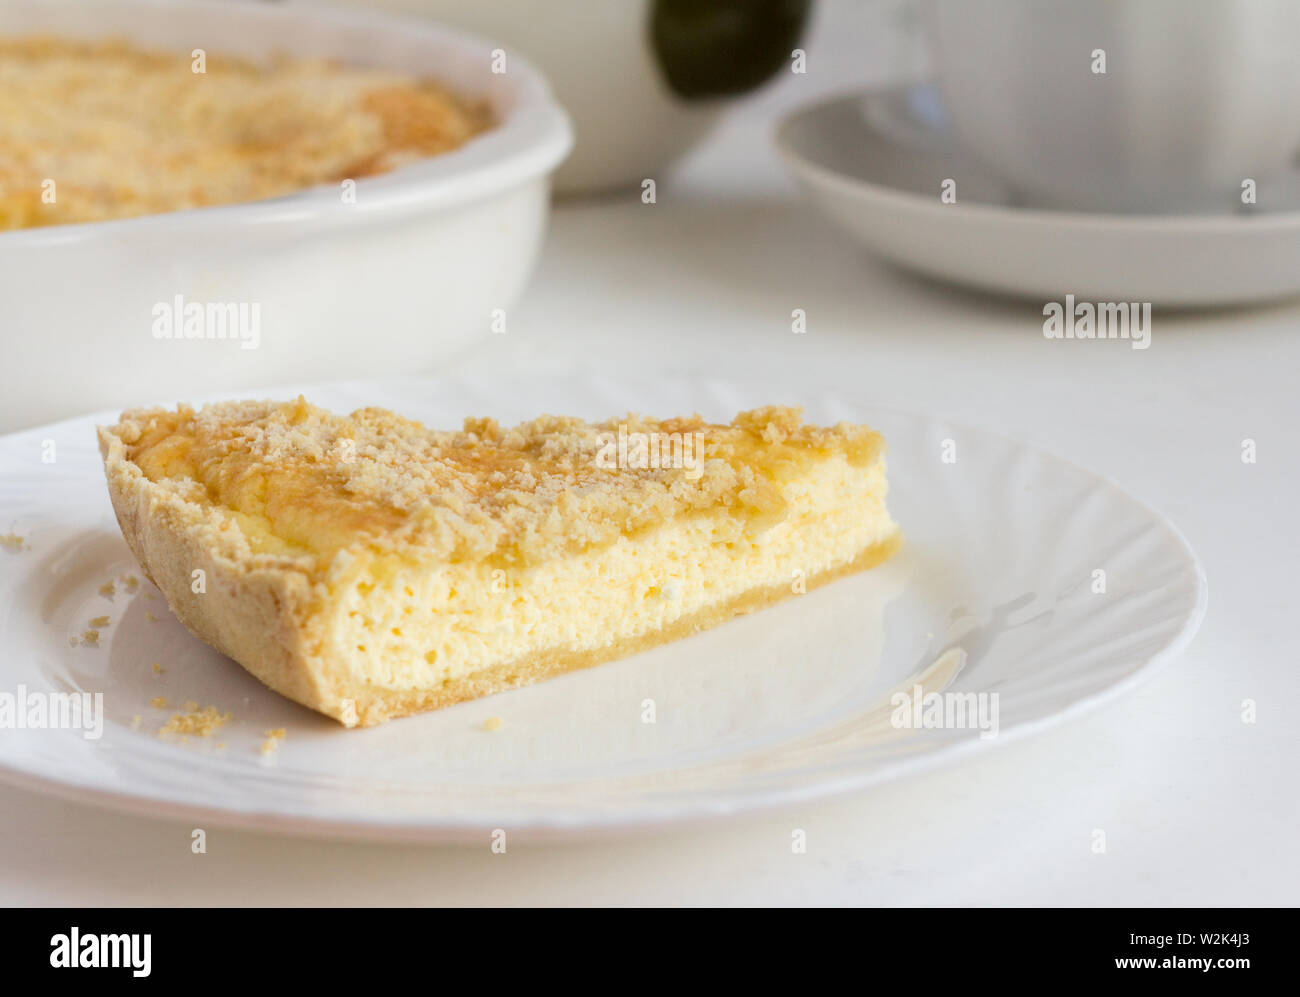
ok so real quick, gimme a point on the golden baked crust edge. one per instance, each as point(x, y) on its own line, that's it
point(248, 612)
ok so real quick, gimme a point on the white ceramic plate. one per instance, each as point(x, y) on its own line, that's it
point(776, 707)
point(875, 164)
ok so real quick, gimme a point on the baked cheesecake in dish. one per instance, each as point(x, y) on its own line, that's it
point(368, 567)
point(93, 131)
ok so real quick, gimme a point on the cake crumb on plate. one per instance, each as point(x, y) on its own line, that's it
point(273, 739)
point(201, 723)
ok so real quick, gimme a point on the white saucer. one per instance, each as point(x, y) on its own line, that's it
point(875, 163)
point(996, 584)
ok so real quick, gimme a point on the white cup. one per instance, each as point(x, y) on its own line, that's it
point(1196, 96)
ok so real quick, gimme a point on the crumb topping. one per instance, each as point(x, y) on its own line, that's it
point(300, 482)
point(123, 131)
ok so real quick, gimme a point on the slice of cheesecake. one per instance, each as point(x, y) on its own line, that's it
point(368, 567)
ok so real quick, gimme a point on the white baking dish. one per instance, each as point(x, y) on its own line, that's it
point(415, 270)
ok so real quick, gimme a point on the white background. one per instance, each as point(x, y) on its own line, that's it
point(1197, 807)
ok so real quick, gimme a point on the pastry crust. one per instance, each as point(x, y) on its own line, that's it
point(248, 611)
point(280, 613)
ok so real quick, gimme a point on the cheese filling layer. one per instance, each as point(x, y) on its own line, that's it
point(416, 629)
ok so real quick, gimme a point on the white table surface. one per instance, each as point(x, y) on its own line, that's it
point(1197, 806)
